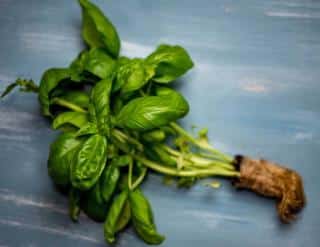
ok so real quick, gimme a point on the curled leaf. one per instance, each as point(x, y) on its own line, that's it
point(50, 80)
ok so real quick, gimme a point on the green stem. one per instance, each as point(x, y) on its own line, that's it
point(142, 93)
point(120, 135)
point(214, 171)
point(218, 154)
point(139, 179)
point(67, 104)
point(197, 160)
point(185, 173)
point(130, 175)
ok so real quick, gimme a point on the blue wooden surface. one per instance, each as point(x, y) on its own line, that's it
point(255, 85)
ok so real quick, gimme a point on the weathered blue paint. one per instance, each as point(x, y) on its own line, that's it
point(255, 85)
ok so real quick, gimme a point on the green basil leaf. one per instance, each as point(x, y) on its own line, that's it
point(133, 75)
point(170, 61)
point(117, 104)
point(77, 119)
point(100, 109)
point(95, 61)
point(50, 79)
point(74, 204)
point(89, 162)
point(150, 112)
point(88, 129)
point(122, 61)
point(108, 182)
point(142, 218)
point(115, 213)
point(124, 217)
point(97, 30)
point(93, 204)
point(61, 154)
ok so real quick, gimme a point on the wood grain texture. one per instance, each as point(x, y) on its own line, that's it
point(255, 85)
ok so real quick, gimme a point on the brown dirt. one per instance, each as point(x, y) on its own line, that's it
point(272, 180)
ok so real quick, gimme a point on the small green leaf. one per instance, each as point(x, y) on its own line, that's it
point(170, 62)
point(97, 30)
point(89, 162)
point(114, 219)
point(77, 119)
point(142, 218)
point(61, 154)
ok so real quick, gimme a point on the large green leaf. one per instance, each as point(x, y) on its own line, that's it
point(146, 113)
point(62, 152)
point(170, 61)
point(142, 218)
point(97, 30)
point(118, 216)
point(89, 162)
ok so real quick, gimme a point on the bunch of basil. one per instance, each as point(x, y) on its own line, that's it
point(116, 115)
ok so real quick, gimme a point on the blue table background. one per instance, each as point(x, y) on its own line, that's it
point(255, 85)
